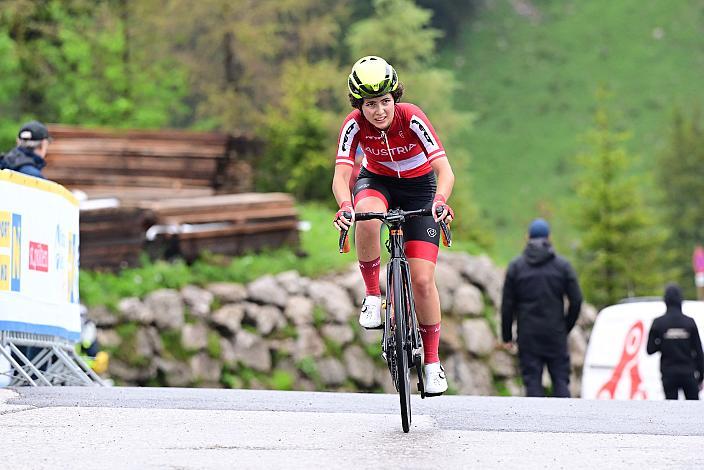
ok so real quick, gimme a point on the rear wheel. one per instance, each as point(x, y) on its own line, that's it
point(401, 347)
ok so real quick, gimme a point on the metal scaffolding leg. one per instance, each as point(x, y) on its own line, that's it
point(29, 364)
point(56, 362)
point(17, 367)
point(63, 357)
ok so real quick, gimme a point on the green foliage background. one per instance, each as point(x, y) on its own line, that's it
point(508, 85)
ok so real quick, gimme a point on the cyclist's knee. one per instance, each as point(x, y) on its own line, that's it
point(423, 285)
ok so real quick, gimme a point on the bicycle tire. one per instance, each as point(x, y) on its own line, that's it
point(401, 352)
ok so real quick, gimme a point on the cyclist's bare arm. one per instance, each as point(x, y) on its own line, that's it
point(341, 183)
point(446, 178)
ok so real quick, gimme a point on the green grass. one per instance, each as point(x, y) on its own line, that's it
point(532, 83)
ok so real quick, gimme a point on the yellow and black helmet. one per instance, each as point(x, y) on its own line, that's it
point(372, 76)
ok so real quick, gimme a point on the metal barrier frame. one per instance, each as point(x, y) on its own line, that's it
point(56, 363)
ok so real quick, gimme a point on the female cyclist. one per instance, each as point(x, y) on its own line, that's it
point(404, 166)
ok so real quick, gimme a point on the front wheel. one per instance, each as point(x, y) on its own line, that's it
point(400, 304)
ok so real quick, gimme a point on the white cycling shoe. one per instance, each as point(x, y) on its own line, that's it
point(370, 316)
point(435, 380)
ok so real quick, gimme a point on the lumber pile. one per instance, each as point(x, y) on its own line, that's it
point(225, 224)
point(174, 193)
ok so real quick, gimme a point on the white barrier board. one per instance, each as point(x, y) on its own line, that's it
point(617, 365)
point(38, 257)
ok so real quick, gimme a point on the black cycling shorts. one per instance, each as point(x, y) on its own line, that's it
point(421, 234)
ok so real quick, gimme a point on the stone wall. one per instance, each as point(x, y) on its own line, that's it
point(292, 332)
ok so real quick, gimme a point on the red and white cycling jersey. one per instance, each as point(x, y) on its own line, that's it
point(404, 150)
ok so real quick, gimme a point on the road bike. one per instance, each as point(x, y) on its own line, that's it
point(401, 343)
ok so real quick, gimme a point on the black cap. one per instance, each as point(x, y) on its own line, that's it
point(33, 130)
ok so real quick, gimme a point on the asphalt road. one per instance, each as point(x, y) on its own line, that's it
point(105, 428)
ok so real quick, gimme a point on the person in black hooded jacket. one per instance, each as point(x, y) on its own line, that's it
point(534, 290)
point(29, 155)
point(675, 335)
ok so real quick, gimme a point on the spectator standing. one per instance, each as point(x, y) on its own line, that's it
point(675, 335)
point(698, 265)
point(30, 154)
point(534, 290)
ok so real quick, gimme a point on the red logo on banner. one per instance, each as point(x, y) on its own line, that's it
point(38, 257)
point(629, 360)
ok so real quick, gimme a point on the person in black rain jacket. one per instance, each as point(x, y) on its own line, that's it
point(676, 336)
point(534, 290)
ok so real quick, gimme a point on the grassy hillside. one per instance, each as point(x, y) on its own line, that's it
point(530, 70)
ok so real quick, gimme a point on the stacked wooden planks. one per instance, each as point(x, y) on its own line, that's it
point(174, 186)
point(111, 237)
point(225, 224)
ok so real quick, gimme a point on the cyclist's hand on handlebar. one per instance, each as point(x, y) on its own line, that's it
point(442, 212)
point(344, 217)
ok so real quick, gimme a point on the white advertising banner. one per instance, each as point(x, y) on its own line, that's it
point(617, 365)
point(38, 257)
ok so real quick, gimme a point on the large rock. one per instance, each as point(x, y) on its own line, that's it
point(228, 292)
point(102, 317)
point(577, 344)
point(228, 355)
point(229, 317)
point(502, 364)
point(468, 301)
point(308, 343)
point(108, 338)
point(155, 341)
point(133, 309)
point(450, 339)
point(266, 290)
point(478, 337)
point(299, 310)
point(341, 334)
point(121, 371)
point(205, 368)
point(167, 306)
point(469, 377)
point(144, 343)
point(333, 299)
point(194, 337)
point(382, 376)
point(331, 371)
point(447, 277)
point(267, 318)
point(587, 316)
point(447, 299)
point(359, 366)
point(292, 282)
point(198, 300)
point(480, 270)
point(176, 374)
point(252, 351)
point(354, 283)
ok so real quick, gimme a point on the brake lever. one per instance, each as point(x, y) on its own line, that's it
point(445, 233)
point(344, 242)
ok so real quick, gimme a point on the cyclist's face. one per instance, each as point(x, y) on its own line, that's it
point(379, 111)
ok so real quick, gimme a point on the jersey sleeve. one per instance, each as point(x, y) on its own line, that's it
point(348, 140)
point(423, 129)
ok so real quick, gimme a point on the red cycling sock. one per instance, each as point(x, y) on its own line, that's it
point(370, 273)
point(431, 340)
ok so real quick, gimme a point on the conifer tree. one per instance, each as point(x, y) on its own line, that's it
point(618, 252)
point(680, 172)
